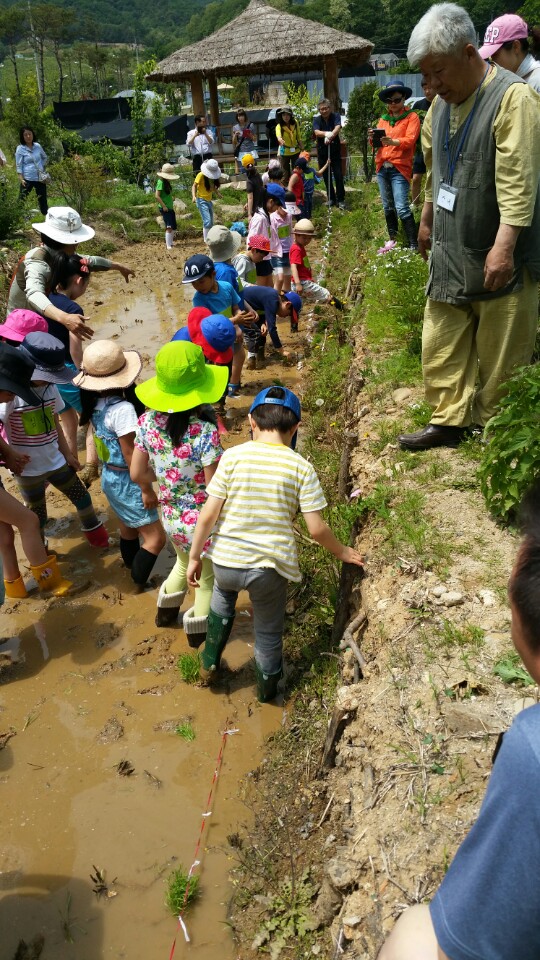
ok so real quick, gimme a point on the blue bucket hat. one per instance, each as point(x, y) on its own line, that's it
point(49, 357)
point(277, 192)
point(395, 86)
point(197, 267)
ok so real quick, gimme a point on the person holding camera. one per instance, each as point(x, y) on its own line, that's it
point(395, 139)
point(326, 130)
point(244, 139)
point(200, 142)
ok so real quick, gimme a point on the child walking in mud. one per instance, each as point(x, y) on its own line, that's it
point(253, 499)
point(205, 186)
point(15, 382)
point(177, 444)
point(34, 429)
point(109, 401)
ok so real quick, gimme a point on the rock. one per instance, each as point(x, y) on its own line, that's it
point(400, 395)
point(363, 412)
point(487, 597)
point(327, 904)
point(439, 591)
point(472, 717)
point(452, 598)
point(179, 206)
point(342, 873)
point(352, 921)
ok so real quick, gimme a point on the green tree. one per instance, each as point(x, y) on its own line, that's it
point(79, 180)
point(360, 117)
point(340, 13)
point(304, 105)
point(58, 33)
point(13, 27)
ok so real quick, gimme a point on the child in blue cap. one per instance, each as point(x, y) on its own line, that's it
point(253, 498)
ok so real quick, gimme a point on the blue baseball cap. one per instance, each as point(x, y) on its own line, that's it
point(197, 267)
point(289, 400)
point(277, 192)
point(296, 302)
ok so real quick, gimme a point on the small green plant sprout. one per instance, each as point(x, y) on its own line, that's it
point(177, 884)
point(189, 667)
point(290, 916)
point(186, 731)
point(511, 670)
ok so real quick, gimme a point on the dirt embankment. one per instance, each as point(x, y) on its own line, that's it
point(374, 827)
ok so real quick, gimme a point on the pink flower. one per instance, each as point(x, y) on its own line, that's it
point(173, 475)
point(167, 511)
point(183, 452)
point(181, 539)
point(189, 517)
point(194, 429)
point(199, 497)
point(165, 495)
point(214, 438)
point(199, 477)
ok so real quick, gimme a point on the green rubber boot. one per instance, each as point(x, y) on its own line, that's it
point(267, 684)
point(217, 634)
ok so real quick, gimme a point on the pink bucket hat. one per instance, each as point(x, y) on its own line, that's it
point(21, 322)
point(502, 30)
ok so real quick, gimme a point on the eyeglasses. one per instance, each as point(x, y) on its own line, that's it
point(396, 100)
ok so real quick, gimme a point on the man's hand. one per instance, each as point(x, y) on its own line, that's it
point(424, 230)
point(127, 272)
point(77, 325)
point(193, 573)
point(498, 268)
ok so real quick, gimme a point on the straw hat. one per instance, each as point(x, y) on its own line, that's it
point(105, 366)
point(304, 226)
point(167, 172)
point(211, 169)
point(222, 243)
point(64, 225)
point(183, 380)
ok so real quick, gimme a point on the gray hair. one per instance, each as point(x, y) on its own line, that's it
point(325, 101)
point(444, 29)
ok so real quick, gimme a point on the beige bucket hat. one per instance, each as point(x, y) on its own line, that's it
point(105, 366)
point(167, 172)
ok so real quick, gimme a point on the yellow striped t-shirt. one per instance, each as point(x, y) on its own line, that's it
point(264, 485)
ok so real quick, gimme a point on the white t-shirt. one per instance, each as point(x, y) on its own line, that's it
point(120, 418)
point(198, 143)
point(31, 430)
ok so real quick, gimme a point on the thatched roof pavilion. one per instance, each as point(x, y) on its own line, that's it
point(265, 40)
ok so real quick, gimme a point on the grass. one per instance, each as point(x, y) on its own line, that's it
point(401, 516)
point(510, 669)
point(185, 731)
point(189, 667)
point(175, 895)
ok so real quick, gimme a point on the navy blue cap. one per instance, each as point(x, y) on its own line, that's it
point(182, 334)
point(302, 163)
point(296, 302)
point(197, 267)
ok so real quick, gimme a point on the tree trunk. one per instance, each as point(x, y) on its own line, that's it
point(12, 52)
point(60, 74)
point(41, 72)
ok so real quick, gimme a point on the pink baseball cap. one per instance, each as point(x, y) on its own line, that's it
point(502, 30)
point(21, 322)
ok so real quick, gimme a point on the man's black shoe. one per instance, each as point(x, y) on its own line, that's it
point(434, 435)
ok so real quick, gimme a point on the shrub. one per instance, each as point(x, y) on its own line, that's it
point(11, 209)
point(360, 117)
point(511, 461)
point(79, 180)
point(405, 274)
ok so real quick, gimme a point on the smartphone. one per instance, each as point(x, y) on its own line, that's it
point(376, 135)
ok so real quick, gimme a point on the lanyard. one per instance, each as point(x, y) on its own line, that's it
point(452, 161)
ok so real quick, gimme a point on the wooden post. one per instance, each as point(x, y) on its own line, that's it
point(214, 102)
point(197, 94)
point(331, 82)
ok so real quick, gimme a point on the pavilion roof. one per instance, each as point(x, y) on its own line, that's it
point(262, 40)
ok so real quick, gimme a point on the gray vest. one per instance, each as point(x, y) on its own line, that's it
point(462, 239)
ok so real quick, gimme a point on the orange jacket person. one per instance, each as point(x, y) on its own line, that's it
point(394, 159)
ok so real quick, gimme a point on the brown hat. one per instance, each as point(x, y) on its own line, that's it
point(105, 366)
point(167, 172)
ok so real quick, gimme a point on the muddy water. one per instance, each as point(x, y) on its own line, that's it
point(89, 682)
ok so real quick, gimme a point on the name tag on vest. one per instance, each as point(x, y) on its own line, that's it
point(446, 197)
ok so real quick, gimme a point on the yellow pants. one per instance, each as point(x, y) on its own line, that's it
point(468, 352)
point(177, 581)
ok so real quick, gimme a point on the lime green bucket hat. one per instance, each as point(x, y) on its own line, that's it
point(183, 380)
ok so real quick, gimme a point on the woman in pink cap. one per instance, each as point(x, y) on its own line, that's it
point(506, 42)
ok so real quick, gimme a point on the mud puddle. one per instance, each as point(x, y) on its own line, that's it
point(89, 682)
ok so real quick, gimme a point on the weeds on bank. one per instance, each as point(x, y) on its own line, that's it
point(177, 884)
point(401, 516)
point(511, 670)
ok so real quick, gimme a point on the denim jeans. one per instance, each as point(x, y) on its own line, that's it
point(394, 190)
point(206, 210)
point(268, 593)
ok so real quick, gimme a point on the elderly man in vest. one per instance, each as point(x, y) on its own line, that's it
point(481, 222)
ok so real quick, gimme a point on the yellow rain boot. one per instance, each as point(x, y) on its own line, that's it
point(49, 579)
point(15, 589)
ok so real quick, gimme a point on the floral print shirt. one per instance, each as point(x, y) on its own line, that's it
point(179, 471)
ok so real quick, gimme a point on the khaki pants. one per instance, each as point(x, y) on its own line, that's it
point(468, 352)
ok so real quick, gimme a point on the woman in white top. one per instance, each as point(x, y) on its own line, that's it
point(31, 160)
point(507, 43)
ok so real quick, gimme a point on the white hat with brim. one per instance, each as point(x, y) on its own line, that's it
point(64, 225)
point(183, 380)
point(211, 168)
point(167, 172)
point(222, 243)
point(106, 366)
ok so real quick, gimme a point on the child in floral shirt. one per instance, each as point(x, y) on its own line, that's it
point(177, 443)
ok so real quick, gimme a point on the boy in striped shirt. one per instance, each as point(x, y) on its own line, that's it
point(253, 498)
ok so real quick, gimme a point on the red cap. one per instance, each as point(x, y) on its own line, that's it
point(258, 242)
